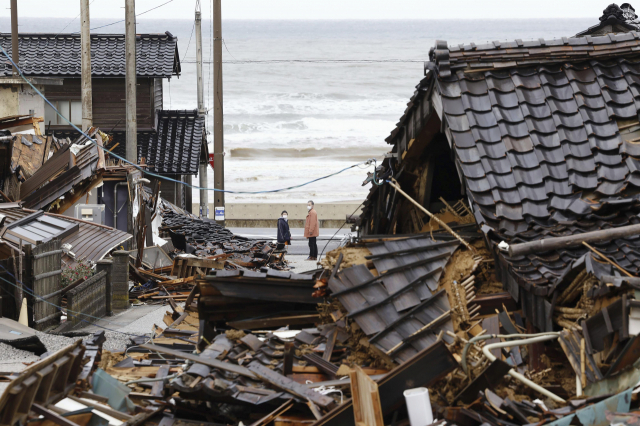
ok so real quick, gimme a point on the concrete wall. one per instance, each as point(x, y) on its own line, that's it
point(8, 100)
point(331, 215)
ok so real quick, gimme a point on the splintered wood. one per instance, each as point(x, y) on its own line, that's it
point(366, 399)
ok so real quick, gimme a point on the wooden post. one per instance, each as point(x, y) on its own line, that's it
point(218, 133)
point(203, 166)
point(15, 49)
point(367, 410)
point(85, 41)
point(130, 83)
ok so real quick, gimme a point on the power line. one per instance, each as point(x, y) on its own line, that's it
point(370, 161)
point(71, 21)
point(315, 61)
point(139, 14)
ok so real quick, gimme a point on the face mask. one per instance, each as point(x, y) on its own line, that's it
point(308, 207)
point(284, 217)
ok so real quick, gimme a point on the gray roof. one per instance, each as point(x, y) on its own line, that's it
point(59, 55)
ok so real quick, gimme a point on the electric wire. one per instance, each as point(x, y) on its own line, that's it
point(71, 21)
point(139, 14)
point(167, 178)
point(314, 61)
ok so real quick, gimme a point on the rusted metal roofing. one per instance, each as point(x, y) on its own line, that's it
point(92, 241)
point(400, 310)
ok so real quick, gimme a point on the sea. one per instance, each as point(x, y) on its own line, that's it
point(304, 99)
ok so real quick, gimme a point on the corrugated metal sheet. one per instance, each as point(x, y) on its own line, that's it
point(92, 241)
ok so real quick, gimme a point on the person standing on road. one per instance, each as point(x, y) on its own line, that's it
point(284, 234)
point(312, 230)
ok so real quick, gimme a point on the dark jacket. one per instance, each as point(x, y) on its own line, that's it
point(284, 235)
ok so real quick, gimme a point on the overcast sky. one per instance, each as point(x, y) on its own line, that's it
point(323, 9)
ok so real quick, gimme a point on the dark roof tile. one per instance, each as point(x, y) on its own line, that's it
point(509, 196)
point(626, 111)
point(536, 209)
point(484, 198)
point(535, 96)
point(491, 150)
point(452, 106)
point(587, 75)
point(572, 135)
point(496, 165)
point(611, 159)
point(536, 111)
point(501, 84)
point(482, 119)
point(491, 134)
point(621, 98)
point(528, 82)
point(516, 130)
point(59, 55)
point(585, 165)
point(468, 155)
point(533, 193)
point(472, 170)
point(529, 177)
point(554, 155)
point(501, 181)
point(587, 89)
point(605, 144)
point(579, 150)
point(478, 87)
point(547, 141)
point(554, 79)
point(611, 71)
point(463, 139)
point(617, 84)
point(526, 160)
point(630, 148)
point(506, 100)
point(613, 173)
point(568, 120)
point(512, 115)
point(566, 107)
point(449, 88)
point(583, 181)
point(557, 187)
point(459, 123)
point(594, 102)
point(605, 130)
point(479, 103)
point(509, 212)
point(556, 171)
point(599, 116)
point(561, 93)
point(479, 185)
point(610, 188)
point(544, 125)
point(519, 145)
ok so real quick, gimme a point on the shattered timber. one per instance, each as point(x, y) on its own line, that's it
point(494, 278)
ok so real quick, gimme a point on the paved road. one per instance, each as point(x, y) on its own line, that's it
point(299, 244)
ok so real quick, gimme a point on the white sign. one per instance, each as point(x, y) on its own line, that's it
point(219, 213)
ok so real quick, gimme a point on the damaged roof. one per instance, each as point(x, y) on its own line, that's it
point(91, 242)
point(58, 55)
point(545, 138)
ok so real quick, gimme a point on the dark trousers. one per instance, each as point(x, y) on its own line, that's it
point(313, 247)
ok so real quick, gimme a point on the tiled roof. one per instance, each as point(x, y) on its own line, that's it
point(59, 55)
point(175, 148)
point(545, 139)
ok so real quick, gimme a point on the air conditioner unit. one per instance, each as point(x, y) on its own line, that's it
point(90, 212)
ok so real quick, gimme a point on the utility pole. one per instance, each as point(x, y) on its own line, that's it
point(218, 133)
point(130, 82)
point(15, 50)
point(202, 172)
point(85, 41)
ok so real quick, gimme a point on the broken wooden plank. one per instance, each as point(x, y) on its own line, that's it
point(365, 398)
point(288, 385)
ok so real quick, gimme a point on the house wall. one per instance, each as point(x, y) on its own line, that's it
point(19, 99)
point(109, 101)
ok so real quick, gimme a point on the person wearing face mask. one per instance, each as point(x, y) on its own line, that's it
point(312, 231)
point(284, 234)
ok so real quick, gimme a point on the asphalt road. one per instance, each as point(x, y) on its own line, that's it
point(299, 244)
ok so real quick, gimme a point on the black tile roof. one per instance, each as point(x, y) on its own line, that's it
point(175, 147)
point(59, 55)
point(545, 137)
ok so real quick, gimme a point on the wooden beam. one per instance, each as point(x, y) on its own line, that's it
point(365, 398)
point(50, 415)
point(556, 243)
point(21, 122)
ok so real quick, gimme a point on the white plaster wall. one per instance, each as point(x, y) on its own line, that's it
point(28, 99)
point(9, 101)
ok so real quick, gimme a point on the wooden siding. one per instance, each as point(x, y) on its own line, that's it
point(158, 99)
point(109, 106)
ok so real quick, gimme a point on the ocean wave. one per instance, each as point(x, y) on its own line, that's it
point(313, 127)
point(346, 153)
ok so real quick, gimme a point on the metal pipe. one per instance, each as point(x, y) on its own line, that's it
point(115, 203)
point(513, 373)
point(471, 341)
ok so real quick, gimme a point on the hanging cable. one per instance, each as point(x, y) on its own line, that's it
point(164, 177)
